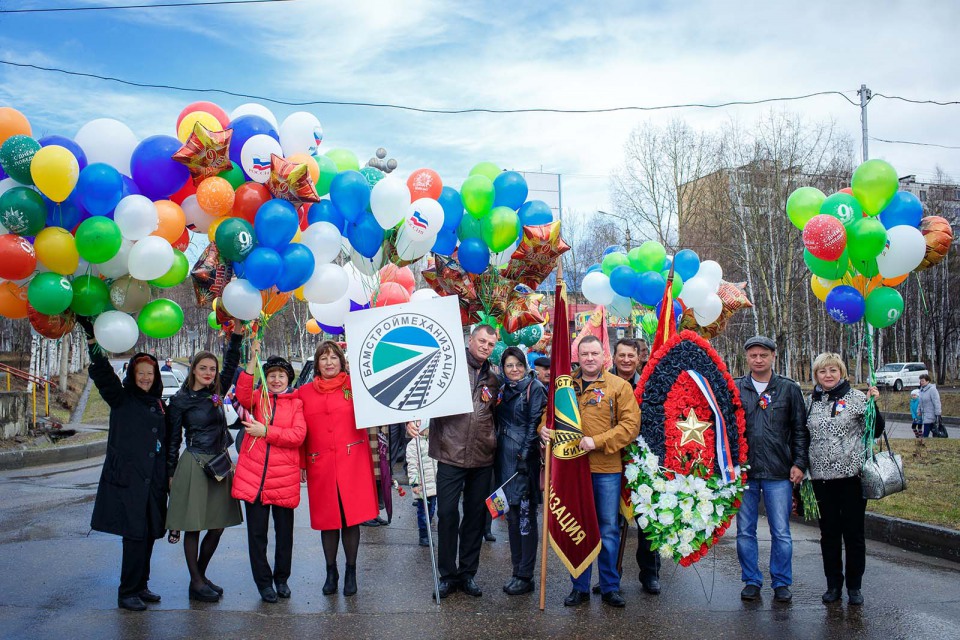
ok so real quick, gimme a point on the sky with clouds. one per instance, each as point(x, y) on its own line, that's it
point(502, 55)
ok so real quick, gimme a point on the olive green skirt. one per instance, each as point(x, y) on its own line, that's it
point(199, 503)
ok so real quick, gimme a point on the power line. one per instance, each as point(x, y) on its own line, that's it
point(915, 101)
point(163, 5)
point(918, 144)
point(386, 105)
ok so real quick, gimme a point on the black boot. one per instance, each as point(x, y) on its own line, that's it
point(350, 580)
point(333, 576)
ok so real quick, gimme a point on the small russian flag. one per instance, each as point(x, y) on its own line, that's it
point(497, 503)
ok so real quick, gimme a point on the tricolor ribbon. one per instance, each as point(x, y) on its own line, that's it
point(724, 459)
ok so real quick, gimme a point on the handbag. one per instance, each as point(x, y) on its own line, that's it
point(882, 473)
point(939, 431)
point(218, 467)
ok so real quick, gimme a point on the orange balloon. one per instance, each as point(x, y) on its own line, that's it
point(212, 231)
point(273, 300)
point(892, 282)
point(12, 123)
point(312, 167)
point(215, 196)
point(13, 301)
point(313, 328)
point(171, 221)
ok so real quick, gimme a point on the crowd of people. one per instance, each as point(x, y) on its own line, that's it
point(149, 488)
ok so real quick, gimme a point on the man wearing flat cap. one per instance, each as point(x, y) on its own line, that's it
point(777, 440)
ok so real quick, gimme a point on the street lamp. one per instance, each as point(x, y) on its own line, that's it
point(619, 217)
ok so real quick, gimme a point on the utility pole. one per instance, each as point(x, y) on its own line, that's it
point(865, 95)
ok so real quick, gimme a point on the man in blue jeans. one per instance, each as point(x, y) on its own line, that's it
point(777, 440)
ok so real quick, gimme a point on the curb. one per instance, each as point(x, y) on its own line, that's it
point(10, 460)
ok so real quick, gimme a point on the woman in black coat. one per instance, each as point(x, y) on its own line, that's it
point(132, 495)
point(521, 403)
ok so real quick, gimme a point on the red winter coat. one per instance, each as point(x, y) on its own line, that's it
point(270, 467)
point(337, 458)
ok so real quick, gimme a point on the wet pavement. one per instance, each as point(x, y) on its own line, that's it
point(58, 580)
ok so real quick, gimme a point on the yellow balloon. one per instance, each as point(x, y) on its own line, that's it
point(192, 118)
point(57, 250)
point(296, 236)
point(821, 286)
point(212, 230)
point(299, 294)
point(55, 171)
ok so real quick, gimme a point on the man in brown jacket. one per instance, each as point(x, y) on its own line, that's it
point(463, 446)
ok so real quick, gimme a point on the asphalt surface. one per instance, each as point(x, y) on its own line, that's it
point(59, 580)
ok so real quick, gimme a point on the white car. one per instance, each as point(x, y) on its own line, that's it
point(171, 384)
point(900, 374)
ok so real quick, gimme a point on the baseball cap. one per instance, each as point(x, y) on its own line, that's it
point(760, 341)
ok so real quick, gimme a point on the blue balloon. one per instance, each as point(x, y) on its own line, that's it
point(326, 211)
point(649, 288)
point(99, 188)
point(67, 144)
point(446, 242)
point(452, 208)
point(535, 212)
point(3, 174)
point(350, 192)
point(365, 235)
point(905, 208)
point(275, 224)
point(510, 190)
point(845, 304)
point(686, 264)
point(595, 267)
point(677, 310)
point(614, 248)
point(623, 280)
point(298, 264)
point(67, 214)
point(244, 128)
point(130, 187)
point(334, 331)
point(356, 306)
point(262, 267)
point(153, 169)
point(474, 255)
point(238, 269)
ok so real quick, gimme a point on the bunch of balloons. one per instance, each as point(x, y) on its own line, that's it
point(863, 241)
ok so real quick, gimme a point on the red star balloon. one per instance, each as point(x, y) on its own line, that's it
point(290, 181)
point(537, 254)
point(205, 153)
point(522, 310)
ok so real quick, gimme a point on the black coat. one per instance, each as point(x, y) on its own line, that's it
point(777, 436)
point(132, 495)
point(195, 416)
point(518, 414)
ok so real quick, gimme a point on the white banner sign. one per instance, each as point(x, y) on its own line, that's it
point(408, 362)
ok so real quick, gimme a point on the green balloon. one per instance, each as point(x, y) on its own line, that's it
point(234, 176)
point(874, 184)
point(511, 339)
point(803, 204)
point(23, 211)
point(91, 296)
point(16, 154)
point(160, 318)
point(469, 228)
point(884, 307)
point(613, 260)
point(486, 169)
point(98, 239)
point(497, 353)
point(828, 269)
point(844, 207)
point(177, 273)
point(328, 169)
point(345, 160)
point(373, 175)
point(477, 194)
point(648, 257)
point(677, 284)
point(235, 239)
point(50, 293)
point(212, 320)
point(531, 334)
point(867, 268)
point(500, 229)
point(866, 238)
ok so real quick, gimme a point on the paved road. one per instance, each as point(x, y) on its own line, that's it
point(58, 580)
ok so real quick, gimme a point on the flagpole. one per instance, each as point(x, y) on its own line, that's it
point(426, 514)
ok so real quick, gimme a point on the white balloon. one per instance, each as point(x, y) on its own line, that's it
point(9, 183)
point(389, 200)
point(502, 258)
point(300, 133)
point(410, 247)
point(331, 314)
point(107, 140)
point(323, 240)
point(116, 266)
point(196, 216)
point(150, 258)
point(137, 217)
point(711, 272)
point(367, 266)
point(116, 331)
point(83, 267)
point(621, 306)
point(361, 287)
point(709, 310)
point(423, 294)
point(254, 109)
point(328, 283)
point(424, 219)
point(695, 291)
point(596, 288)
point(255, 156)
point(242, 300)
point(904, 251)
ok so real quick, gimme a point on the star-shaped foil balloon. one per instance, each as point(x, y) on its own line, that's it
point(290, 181)
point(522, 310)
point(537, 254)
point(205, 153)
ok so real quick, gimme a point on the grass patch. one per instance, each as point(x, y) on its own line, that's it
point(933, 484)
point(97, 410)
point(899, 401)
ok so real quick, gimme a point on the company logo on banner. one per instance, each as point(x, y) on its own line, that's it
point(407, 362)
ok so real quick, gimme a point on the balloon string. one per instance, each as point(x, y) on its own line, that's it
point(923, 298)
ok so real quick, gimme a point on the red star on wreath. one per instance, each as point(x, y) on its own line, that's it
point(290, 181)
point(205, 153)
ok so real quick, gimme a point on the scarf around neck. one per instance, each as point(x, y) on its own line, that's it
point(329, 385)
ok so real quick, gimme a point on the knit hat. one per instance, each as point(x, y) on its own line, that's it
point(276, 362)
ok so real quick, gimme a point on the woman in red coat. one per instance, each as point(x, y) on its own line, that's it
point(338, 466)
point(268, 469)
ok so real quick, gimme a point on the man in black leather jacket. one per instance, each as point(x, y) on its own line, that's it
point(777, 440)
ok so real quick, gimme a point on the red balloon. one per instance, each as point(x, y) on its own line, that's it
point(390, 293)
point(208, 107)
point(247, 200)
point(17, 257)
point(847, 190)
point(424, 183)
point(187, 190)
point(825, 237)
point(53, 327)
point(183, 242)
point(401, 275)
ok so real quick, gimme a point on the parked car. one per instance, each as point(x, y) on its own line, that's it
point(900, 374)
point(171, 384)
point(306, 374)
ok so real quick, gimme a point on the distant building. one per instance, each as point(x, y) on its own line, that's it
point(939, 199)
